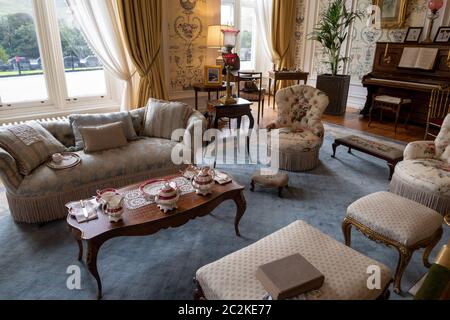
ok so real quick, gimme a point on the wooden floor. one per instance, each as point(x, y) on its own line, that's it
point(353, 120)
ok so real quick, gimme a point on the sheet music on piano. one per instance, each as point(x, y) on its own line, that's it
point(419, 58)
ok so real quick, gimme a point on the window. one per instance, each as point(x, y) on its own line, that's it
point(246, 21)
point(227, 13)
point(45, 62)
point(248, 34)
point(83, 70)
point(21, 76)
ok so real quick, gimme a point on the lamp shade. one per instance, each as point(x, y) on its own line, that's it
point(215, 37)
point(230, 36)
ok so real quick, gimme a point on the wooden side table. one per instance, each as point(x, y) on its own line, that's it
point(217, 110)
point(285, 75)
point(199, 87)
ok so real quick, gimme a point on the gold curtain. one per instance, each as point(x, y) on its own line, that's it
point(283, 26)
point(142, 27)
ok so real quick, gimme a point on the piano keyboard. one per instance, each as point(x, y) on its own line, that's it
point(408, 85)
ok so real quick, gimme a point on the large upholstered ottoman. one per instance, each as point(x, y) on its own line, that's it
point(345, 270)
point(426, 181)
point(397, 222)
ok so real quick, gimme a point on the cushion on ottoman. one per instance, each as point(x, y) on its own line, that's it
point(397, 218)
point(279, 180)
point(345, 270)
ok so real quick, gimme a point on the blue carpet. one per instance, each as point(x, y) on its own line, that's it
point(33, 260)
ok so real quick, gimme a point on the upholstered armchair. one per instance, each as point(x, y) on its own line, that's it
point(424, 175)
point(300, 109)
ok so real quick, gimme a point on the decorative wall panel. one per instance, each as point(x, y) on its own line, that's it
point(188, 28)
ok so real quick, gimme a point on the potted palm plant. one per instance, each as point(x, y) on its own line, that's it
point(331, 32)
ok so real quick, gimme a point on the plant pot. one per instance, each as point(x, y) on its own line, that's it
point(337, 88)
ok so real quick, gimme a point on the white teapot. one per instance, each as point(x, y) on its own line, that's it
point(167, 197)
point(204, 181)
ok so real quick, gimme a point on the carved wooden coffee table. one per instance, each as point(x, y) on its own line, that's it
point(149, 220)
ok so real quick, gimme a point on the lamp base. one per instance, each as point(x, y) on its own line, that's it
point(227, 100)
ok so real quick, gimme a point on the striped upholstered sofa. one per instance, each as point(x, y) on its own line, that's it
point(41, 196)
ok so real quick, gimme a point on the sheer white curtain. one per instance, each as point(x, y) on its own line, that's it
point(99, 23)
point(264, 13)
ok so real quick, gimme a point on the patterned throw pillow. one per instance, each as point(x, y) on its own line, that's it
point(162, 118)
point(30, 144)
point(91, 120)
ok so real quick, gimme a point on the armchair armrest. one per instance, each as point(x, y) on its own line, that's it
point(9, 172)
point(316, 126)
point(420, 150)
point(196, 124)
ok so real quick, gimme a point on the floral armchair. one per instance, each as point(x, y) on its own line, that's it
point(300, 109)
point(424, 175)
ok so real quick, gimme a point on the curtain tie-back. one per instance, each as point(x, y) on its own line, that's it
point(149, 68)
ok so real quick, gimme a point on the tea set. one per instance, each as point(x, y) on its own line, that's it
point(203, 181)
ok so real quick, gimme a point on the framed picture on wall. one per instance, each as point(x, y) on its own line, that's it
point(413, 34)
point(213, 75)
point(393, 13)
point(443, 35)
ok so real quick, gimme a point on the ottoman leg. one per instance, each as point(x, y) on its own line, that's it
point(280, 192)
point(405, 257)
point(426, 255)
point(347, 230)
point(252, 186)
point(335, 146)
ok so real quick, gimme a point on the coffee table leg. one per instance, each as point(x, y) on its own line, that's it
point(91, 262)
point(80, 250)
point(241, 204)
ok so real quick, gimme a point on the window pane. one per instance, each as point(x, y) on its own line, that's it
point(84, 72)
point(21, 75)
point(248, 28)
point(227, 14)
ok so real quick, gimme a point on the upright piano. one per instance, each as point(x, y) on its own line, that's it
point(387, 78)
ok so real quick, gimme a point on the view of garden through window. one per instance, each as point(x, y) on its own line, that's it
point(21, 65)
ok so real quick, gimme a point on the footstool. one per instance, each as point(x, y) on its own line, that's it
point(278, 181)
point(345, 270)
point(397, 222)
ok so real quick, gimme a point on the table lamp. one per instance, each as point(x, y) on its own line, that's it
point(215, 40)
point(434, 6)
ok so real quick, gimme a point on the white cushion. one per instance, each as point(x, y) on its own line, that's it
point(399, 219)
point(392, 100)
point(430, 175)
point(345, 270)
point(298, 141)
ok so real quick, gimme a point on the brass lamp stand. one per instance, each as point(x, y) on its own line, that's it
point(228, 98)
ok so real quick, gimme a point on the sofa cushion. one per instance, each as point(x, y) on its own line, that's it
point(87, 120)
point(137, 157)
point(30, 144)
point(345, 270)
point(162, 118)
point(396, 218)
point(61, 130)
point(100, 138)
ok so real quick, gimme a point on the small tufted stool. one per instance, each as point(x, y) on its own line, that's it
point(345, 270)
point(397, 222)
point(278, 181)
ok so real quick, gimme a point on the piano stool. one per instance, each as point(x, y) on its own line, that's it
point(392, 104)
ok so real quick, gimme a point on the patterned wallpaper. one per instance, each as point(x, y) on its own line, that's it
point(364, 40)
point(188, 27)
point(299, 32)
